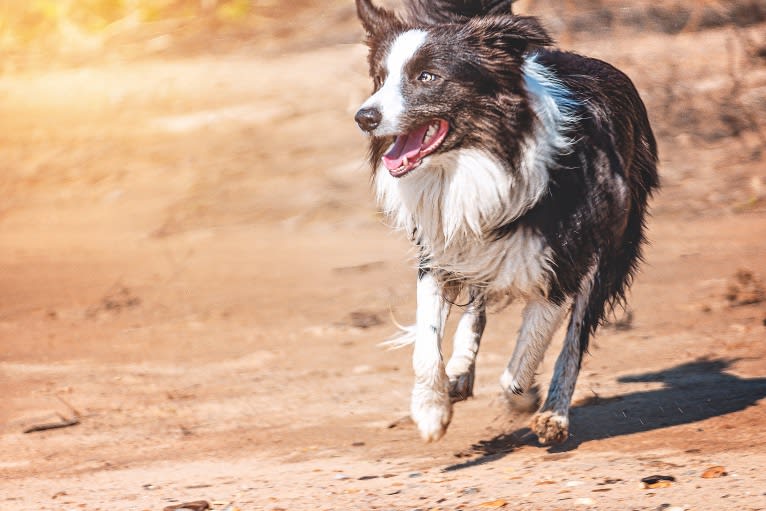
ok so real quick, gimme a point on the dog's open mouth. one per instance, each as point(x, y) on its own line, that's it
point(409, 149)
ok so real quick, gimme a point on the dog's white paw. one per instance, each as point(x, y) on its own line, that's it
point(550, 427)
point(431, 410)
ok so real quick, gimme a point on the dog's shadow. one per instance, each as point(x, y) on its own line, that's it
point(693, 392)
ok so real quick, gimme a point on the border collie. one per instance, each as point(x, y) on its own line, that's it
point(518, 171)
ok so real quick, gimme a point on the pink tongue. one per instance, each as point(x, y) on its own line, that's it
point(408, 145)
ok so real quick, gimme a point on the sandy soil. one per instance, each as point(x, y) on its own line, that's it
point(192, 262)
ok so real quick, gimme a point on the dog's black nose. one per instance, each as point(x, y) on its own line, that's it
point(368, 118)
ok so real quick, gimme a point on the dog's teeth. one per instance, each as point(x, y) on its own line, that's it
point(430, 131)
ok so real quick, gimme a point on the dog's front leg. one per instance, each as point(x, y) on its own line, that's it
point(461, 367)
point(431, 408)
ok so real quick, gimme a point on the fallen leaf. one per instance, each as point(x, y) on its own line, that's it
point(713, 472)
point(657, 481)
point(494, 504)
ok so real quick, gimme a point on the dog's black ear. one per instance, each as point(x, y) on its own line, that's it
point(511, 34)
point(374, 19)
point(454, 11)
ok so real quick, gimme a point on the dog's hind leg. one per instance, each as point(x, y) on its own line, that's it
point(541, 318)
point(462, 364)
point(431, 407)
point(551, 424)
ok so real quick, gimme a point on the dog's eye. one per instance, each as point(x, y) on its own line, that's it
point(425, 76)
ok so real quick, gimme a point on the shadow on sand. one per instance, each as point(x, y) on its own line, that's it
point(693, 392)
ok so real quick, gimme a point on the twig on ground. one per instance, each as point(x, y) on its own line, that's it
point(63, 423)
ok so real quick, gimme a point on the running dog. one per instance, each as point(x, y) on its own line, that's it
point(518, 171)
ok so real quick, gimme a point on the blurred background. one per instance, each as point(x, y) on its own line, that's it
point(187, 229)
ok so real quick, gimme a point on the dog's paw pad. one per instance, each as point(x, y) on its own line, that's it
point(550, 428)
point(461, 386)
point(432, 413)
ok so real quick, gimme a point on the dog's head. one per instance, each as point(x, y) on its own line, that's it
point(439, 86)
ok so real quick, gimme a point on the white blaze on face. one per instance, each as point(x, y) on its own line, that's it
point(389, 99)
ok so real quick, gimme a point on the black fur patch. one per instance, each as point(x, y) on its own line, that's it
point(454, 11)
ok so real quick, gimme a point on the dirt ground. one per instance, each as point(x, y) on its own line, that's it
point(193, 265)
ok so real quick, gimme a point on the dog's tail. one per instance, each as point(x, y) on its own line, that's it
point(405, 337)
point(618, 266)
point(454, 11)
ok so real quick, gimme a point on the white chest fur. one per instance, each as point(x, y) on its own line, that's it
point(452, 204)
